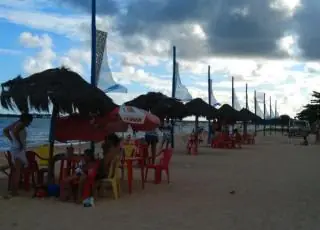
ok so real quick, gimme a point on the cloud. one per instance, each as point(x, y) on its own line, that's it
point(109, 7)
point(9, 51)
point(307, 28)
point(44, 58)
point(29, 40)
point(200, 28)
point(79, 60)
point(228, 28)
point(215, 35)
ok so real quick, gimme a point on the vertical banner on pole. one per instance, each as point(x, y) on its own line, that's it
point(210, 102)
point(264, 114)
point(232, 92)
point(173, 91)
point(270, 126)
point(232, 100)
point(245, 124)
point(93, 50)
point(275, 116)
point(247, 106)
point(255, 110)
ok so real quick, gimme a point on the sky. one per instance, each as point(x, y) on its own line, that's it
point(272, 45)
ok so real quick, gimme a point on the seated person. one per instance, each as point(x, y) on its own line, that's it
point(305, 141)
point(111, 149)
point(128, 139)
point(236, 135)
point(81, 173)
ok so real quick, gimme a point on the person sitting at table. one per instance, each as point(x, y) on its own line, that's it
point(217, 131)
point(237, 137)
point(305, 141)
point(81, 173)
point(111, 149)
point(128, 140)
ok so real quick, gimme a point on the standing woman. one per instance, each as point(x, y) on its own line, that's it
point(152, 139)
point(166, 134)
point(17, 135)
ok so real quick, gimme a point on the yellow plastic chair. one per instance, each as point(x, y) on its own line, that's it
point(113, 178)
point(129, 150)
point(43, 151)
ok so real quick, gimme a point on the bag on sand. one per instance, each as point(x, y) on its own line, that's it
point(89, 202)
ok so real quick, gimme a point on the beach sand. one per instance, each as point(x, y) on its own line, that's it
point(275, 184)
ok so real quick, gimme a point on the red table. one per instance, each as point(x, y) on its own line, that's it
point(68, 160)
point(129, 161)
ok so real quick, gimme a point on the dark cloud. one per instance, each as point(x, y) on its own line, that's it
point(233, 27)
point(108, 7)
point(307, 26)
point(249, 28)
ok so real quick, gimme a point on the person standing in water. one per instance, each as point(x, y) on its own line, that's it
point(17, 135)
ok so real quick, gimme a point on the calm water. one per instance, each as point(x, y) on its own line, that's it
point(38, 132)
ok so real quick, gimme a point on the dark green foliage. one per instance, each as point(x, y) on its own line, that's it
point(311, 111)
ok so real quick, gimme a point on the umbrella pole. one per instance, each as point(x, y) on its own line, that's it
point(93, 52)
point(196, 136)
point(55, 112)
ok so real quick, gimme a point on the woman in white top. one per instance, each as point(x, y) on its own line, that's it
point(17, 135)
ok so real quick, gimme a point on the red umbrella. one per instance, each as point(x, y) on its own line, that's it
point(138, 119)
point(75, 127)
point(95, 129)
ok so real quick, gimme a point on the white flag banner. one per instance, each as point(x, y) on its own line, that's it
point(101, 39)
point(260, 97)
point(237, 105)
point(272, 115)
point(105, 80)
point(214, 101)
point(267, 112)
point(259, 110)
point(181, 92)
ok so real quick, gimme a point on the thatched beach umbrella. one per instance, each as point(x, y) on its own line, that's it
point(147, 101)
point(247, 115)
point(169, 108)
point(62, 88)
point(229, 114)
point(66, 90)
point(199, 108)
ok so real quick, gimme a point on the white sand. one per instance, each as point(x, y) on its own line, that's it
point(276, 186)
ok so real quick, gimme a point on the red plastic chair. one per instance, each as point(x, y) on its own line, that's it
point(143, 151)
point(219, 142)
point(30, 172)
point(33, 168)
point(162, 166)
point(11, 167)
